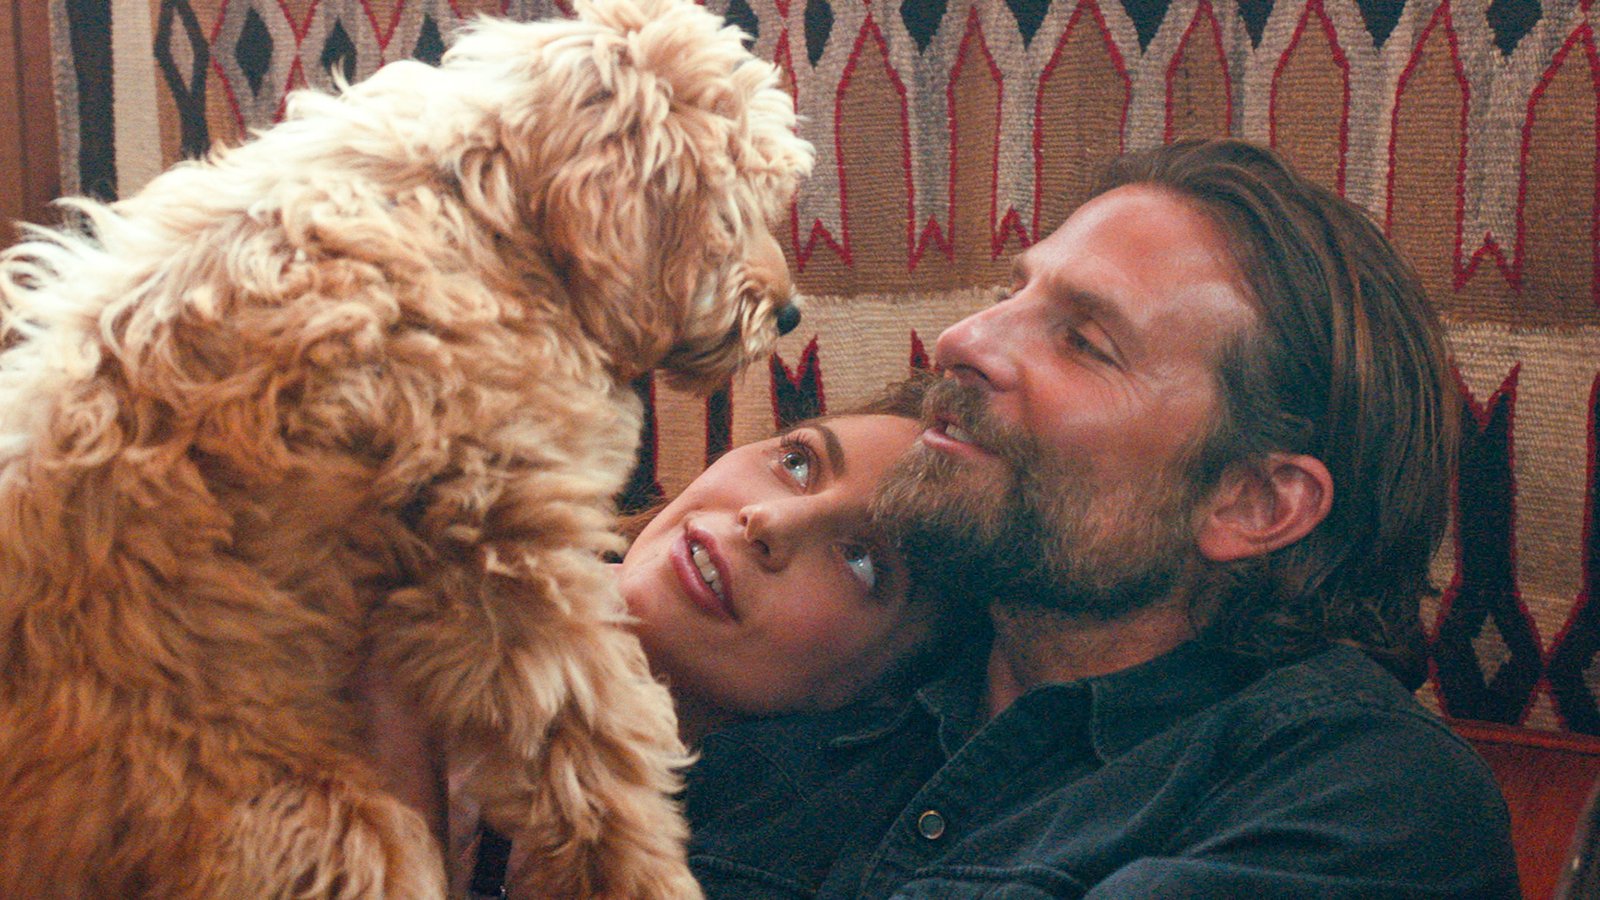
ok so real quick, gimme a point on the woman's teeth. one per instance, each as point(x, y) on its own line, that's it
point(708, 571)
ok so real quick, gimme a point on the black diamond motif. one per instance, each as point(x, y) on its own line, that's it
point(819, 25)
point(1487, 587)
point(254, 50)
point(89, 30)
point(1255, 14)
point(1029, 15)
point(430, 45)
point(339, 51)
point(922, 18)
point(1510, 20)
point(1146, 16)
point(741, 15)
point(1380, 16)
point(1581, 642)
point(178, 12)
point(1567, 665)
point(188, 88)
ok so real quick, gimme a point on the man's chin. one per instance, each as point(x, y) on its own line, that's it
point(930, 492)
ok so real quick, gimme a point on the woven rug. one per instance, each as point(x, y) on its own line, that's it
point(952, 133)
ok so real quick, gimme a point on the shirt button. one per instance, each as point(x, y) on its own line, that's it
point(930, 825)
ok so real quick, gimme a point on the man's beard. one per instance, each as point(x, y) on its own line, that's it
point(1037, 535)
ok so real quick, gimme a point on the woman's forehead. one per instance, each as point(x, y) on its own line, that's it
point(864, 433)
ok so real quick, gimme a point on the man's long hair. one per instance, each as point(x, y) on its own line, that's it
point(1346, 364)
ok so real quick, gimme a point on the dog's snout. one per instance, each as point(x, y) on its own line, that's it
point(788, 318)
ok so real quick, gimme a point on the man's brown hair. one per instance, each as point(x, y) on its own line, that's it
point(1346, 364)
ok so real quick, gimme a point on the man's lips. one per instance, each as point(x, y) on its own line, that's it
point(946, 436)
point(702, 572)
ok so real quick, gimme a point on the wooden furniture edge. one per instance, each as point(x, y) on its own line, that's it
point(1517, 735)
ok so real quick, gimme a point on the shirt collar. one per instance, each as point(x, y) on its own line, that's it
point(1123, 709)
point(951, 701)
point(1130, 706)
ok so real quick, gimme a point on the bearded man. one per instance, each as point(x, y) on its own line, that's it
point(1195, 465)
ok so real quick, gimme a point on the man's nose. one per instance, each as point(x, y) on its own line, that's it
point(985, 347)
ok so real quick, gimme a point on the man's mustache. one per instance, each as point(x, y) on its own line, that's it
point(966, 406)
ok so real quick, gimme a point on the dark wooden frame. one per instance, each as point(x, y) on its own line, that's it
point(1546, 778)
point(30, 170)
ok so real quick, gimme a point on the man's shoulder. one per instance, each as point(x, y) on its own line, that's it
point(1339, 717)
point(1338, 684)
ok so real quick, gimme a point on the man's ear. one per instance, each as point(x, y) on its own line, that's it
point(1261, 506)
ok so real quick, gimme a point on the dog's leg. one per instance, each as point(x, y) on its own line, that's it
point(601, 824)
point(329, 837)
point(578, 743)
point(181, 813)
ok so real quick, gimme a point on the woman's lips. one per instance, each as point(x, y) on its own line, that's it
point(694, 557)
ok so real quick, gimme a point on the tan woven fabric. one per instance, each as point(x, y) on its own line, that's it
point(952, 133)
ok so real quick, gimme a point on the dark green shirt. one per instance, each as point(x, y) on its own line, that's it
point(1187, 776)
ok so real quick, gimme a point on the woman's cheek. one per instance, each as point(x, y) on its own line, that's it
point(818, 631)
point(630, 584)
point(648, 596)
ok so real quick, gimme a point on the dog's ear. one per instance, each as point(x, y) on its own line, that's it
point(650, 145)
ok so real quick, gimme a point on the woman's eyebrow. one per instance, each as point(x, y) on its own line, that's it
point(833, 448)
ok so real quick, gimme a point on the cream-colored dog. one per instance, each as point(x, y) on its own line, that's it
point(358, 391)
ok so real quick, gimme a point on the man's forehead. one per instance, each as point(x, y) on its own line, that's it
point(1136, 244)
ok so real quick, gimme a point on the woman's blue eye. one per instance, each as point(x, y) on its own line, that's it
point(798, 465)
point(859, 559)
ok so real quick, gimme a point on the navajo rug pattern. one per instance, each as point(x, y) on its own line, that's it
point(952, 133)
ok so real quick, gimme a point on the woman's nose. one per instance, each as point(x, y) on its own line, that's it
point(985, 347)
point(769, 530)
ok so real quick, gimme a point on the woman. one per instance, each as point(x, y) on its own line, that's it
point(762, 588)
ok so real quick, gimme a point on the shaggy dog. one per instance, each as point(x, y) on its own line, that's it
point(357, 393)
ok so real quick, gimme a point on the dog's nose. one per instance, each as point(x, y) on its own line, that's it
point(788, 318)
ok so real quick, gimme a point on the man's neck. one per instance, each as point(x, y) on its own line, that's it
point(1036, 646)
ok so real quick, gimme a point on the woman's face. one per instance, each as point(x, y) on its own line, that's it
point(760, 588)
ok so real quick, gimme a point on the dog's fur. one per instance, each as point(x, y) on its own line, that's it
point(357, 392)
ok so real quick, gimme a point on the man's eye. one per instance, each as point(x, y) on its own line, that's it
point(798, 465)
point(1080, 344)
point(859, 559)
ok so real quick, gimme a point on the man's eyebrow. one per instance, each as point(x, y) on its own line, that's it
point(1097, 306)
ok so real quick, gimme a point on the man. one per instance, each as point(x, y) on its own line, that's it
point(1196, 464)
